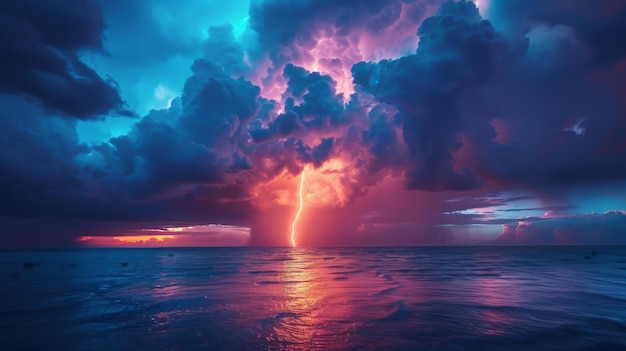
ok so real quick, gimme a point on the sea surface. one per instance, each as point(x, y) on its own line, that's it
point(341, 298)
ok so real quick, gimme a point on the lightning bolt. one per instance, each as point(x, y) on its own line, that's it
point(295, 219)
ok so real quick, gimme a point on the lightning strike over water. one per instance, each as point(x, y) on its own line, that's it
point(295, 219)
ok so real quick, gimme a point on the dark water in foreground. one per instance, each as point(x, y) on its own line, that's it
point(308, 299)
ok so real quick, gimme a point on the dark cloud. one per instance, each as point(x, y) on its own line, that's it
point(36, 160)
point(383, 140)
point(549, 86)
point(590, 229)
point(545, 208)
point(457, 49)
point(290, 23)
point(67, 26)
point(280, 22)
point(600, 24)
point(216, 107)
point(39, 58)
point(320, 108)
point(172, 160)
point(565, 113)
point(194, 144)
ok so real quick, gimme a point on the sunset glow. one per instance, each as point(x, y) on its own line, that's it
point(142, 238)
point(179, 236)
point(297, 217)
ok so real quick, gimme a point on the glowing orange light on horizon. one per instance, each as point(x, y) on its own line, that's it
point(295, 220)
point(136, 239)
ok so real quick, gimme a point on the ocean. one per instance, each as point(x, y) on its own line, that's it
point(337, 298)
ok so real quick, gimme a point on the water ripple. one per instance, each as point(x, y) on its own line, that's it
point(314, 299)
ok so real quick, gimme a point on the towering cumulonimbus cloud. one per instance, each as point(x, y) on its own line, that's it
point(560, 104)
point(356, 92)
point(554, 92)
point(457, 50)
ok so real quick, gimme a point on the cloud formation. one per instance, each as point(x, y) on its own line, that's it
point(588, 229)
point(40, 57)
point(457, 50)
point(358, 93)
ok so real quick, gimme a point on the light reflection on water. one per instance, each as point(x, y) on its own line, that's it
point(308, 299)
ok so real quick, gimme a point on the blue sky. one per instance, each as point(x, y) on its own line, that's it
point(149, 55)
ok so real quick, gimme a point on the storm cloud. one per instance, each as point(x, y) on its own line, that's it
point(40, 57)
point(441, 98)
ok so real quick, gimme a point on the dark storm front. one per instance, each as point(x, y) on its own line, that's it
point(303, 299)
